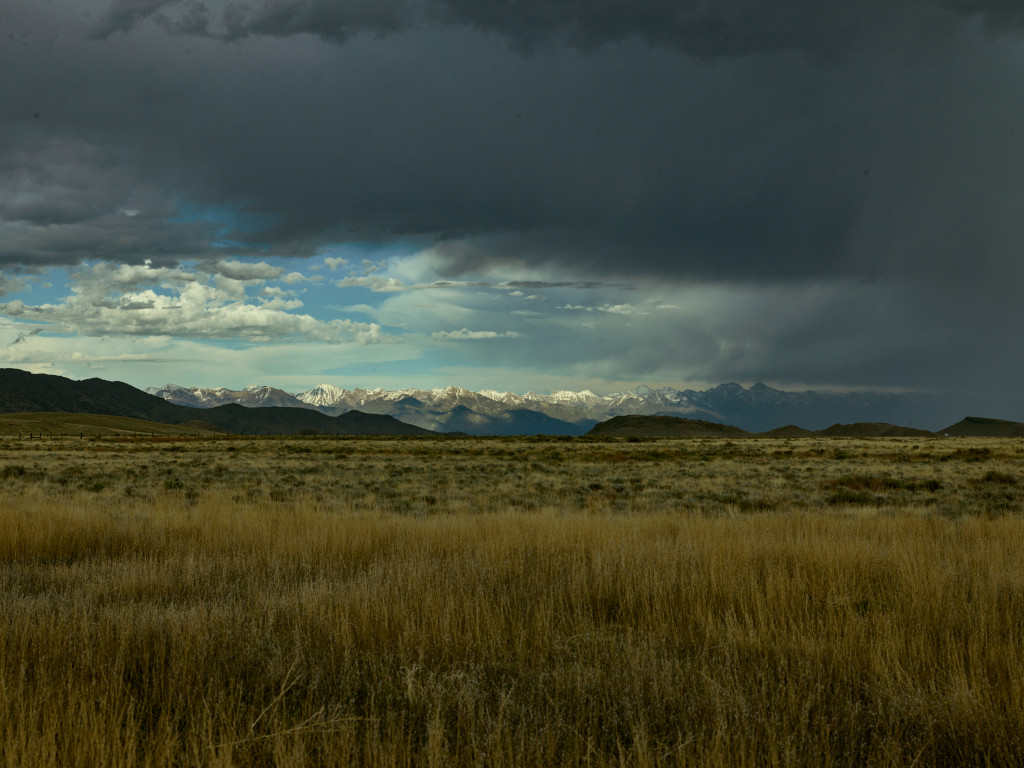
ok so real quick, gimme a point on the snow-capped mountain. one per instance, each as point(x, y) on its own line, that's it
point(253, 396)
point(332, 399)
point(757, 408)
point(197, 397)
point(322, 396)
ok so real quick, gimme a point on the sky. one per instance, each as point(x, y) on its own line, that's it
point(531, 195)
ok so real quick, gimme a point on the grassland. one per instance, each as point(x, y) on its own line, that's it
point(353, 601)
point(66, 426)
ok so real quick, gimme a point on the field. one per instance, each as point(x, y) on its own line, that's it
point(66, 426)
point(226, 601)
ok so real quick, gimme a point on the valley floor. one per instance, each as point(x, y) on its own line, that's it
point(351, 601)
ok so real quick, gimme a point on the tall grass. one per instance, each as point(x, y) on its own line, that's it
point(208, 625)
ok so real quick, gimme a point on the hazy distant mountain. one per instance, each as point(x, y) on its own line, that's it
point(582, 409)
point(447, 409)
point(254, 396)
point(755, 409)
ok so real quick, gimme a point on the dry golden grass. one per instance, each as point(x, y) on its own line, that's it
point(511, 602)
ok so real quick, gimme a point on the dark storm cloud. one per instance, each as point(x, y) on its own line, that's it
point(825, 28)
point(113, 237)
point(626, 159)
point(714, 29)
point(125, 15)
point(185, 17)
point(738, 141)
point(334, 21)
point(64, 200)
point(754, 167)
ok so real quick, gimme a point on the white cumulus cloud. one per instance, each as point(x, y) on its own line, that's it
point(142, 300)
point(465, 333)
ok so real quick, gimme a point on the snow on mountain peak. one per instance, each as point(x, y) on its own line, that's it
point(757, 408)
point(495, 394)
point(167, 388)
point(451, 391)
point(567, 396)
point(323, 395)
point(507, 398)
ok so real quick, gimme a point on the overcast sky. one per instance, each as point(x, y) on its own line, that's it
point(540, 195)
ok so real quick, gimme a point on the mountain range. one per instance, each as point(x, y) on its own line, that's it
point(755, 409)
point(327, 410)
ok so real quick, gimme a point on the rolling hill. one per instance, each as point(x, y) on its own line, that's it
point(22, 392)
point(872, 429)
point(91, 424)
point(976, 426)
point(672, 426)
point(663, 426)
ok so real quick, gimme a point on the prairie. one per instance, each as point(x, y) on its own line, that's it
point(67, 426)
point(228, 601)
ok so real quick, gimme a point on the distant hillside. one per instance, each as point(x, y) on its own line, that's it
point(90, 424)
point(460, 418)
point(674, 426)
point(976, 426)
point(873, 429)
point(515, 421)
point(29, 392)
point(662, 426)
point(789, 430)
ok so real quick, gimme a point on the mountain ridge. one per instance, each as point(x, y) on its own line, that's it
point(672, 426)
point(21, 392)
point(24, 392)
point(758, 408)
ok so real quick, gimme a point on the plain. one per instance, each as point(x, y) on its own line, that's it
point(227, 601)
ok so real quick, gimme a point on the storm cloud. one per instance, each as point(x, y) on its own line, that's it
point(749, 143)
point(825, 28)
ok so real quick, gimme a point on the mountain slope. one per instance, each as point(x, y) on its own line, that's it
point(864, 429)
point(444, 409)
point(24, 392)
point(75, 424)
point(255, 396)
point(663, 426)
point(517, 421)
point(21, 391)
point(976, 426)
point(674, 426)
